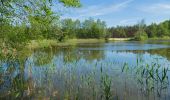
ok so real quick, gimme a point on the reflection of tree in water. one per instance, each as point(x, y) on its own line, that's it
point(45, 56)
point(89, 55)
point(42, 58)
point(162, 52)
point(93, 54)
point(13, 84)
point(70, 54)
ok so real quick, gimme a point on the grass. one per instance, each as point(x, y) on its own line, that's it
point(150, 77)
point(34, 44)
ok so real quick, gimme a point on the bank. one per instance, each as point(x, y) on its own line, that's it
point(33, 44)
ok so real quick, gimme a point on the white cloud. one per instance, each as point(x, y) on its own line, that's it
point(98, 10)
point(158, 8)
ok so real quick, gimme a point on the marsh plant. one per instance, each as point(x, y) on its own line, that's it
point(106, 83)
point(45, 76)
point(151, 78)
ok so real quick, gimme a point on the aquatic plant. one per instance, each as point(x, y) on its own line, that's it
point(105, 85)
point(150, 77)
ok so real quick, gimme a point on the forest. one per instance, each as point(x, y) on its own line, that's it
point(22, 21)
point(154, 30)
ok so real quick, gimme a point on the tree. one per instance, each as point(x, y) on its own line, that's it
point(152, 30)
point(92, 29)
point(162, 30)
point(44, 24)
point(141, 35)
point(120, 31)
point(36, 14)
point(18, 8)
point(69, 28)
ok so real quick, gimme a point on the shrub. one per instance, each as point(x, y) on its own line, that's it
point(141, 36)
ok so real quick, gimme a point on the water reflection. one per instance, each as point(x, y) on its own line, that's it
point(89, 71)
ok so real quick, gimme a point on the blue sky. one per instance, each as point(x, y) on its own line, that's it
point(120, 12)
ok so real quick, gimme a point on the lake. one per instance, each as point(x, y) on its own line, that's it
point(120, 70)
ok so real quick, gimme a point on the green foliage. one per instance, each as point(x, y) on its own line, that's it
point(150, 77)
point(44, 26)
point(70, 27)
point(141, 35)
point(74, 3)
point(22, 20)
point(11, 8)
point(153, 31)
point(13, 35)
point(86, 29)
point(123, 31)
point(120, 32)
point(92, 29)
point(163, 30)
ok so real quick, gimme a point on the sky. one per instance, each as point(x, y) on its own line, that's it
point(120, 12)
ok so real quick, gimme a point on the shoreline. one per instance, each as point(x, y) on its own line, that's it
point(34, 44)
point(119, 39)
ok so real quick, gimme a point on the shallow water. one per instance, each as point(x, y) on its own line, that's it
point(91, 71)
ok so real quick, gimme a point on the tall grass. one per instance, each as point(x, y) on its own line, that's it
point(150, 77)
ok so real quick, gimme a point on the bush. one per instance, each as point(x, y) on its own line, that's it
point(141, 36)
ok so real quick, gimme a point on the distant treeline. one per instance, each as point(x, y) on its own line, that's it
point(51, 27)
point(97, 29)
point(154, 30)
point(86, 29)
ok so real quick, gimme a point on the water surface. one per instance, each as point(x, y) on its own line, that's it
point(90, 71)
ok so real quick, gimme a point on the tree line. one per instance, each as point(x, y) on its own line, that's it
point(89, 28)
point(25, 20)
point(151, 31)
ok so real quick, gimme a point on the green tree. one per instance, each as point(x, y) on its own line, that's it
point(37, 14)
point(120, 31)
point(141, 35)
point(69, 28)
point(152, 30)
point(43, 25)
point(92, 29)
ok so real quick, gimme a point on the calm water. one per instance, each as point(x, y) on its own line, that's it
point(91, 71)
